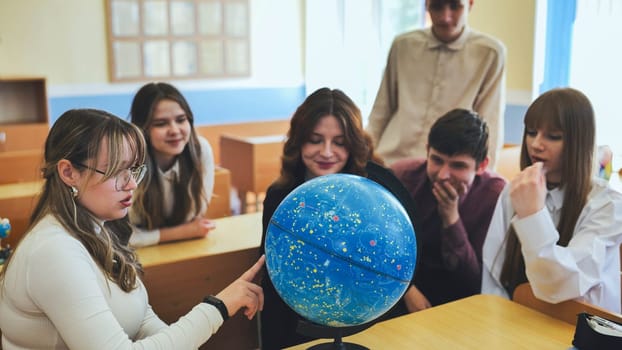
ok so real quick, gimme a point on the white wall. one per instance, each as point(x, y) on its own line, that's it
point(65, 41)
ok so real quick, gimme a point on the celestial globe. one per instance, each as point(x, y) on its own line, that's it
point(5, 227)
point(340, 250)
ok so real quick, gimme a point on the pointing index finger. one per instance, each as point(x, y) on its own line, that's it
point(252, 272)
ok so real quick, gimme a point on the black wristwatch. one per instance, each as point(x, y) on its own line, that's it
point(212, 300)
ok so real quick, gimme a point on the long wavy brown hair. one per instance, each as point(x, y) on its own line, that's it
point(569, 111)
point(321, 103)
point(77, 136)
point(188, 191)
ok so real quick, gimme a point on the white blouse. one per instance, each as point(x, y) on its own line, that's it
point(55, 296)
point(587, 269)
point(142, 237)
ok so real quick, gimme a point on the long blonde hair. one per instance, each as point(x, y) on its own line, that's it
point(77, 136)
point(569, 111)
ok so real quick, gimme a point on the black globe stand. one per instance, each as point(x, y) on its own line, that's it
point(338, 345)
point(315, 330)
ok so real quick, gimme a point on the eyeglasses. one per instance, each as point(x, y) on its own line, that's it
point(122, 178)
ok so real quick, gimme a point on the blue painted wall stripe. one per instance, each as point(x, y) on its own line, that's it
point(208, 106)
point(225, 106)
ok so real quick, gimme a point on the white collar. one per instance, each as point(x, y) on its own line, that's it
point(554, 199)
point(455, 45)
point(172, 173)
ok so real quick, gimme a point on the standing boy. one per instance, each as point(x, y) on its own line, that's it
point(432, 71)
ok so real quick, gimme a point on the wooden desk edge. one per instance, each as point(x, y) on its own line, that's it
point(479, 300)
point(168, 253)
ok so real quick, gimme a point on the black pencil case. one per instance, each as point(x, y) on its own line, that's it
point(597, 333)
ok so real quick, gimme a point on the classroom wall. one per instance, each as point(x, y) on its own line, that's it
point(68, 47)
point(62, 40)
point(513, 22)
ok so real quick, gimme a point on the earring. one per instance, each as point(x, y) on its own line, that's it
point(74, 191)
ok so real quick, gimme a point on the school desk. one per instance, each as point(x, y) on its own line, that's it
point(21, 165)
point(17, 200)
point(476, 322)
point(179, 275)
point(254, 161)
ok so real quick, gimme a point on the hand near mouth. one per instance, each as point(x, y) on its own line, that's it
point(447, 194)
point(528, 190)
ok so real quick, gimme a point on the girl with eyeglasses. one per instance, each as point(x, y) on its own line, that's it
point(171, 203)
point(72, 282)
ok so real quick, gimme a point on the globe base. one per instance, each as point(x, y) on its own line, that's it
point(315, 330)
point(338, 345)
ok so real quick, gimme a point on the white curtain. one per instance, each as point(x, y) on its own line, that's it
point(595, 67)
point(347, 42)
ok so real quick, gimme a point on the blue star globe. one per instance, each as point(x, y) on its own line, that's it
point(340, 250)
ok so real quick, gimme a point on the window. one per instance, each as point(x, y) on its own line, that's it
point(177, 39)
point(347, 43)
point(574, 58)
point(593, 66)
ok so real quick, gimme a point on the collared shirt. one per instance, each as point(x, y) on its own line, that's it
point(449, 259)
point(141, 237)
point(587, 269)
point(425, 78)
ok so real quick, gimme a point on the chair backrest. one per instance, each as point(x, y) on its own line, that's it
point(566, 311)
point(508, 162)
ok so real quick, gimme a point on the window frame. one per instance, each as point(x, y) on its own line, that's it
point(233, 37)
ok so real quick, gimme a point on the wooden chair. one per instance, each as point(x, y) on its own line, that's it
point(17, 200)
point(566, 311)
point(220, 206)
point(508, 161)
point(21, 166)
point(261, 128)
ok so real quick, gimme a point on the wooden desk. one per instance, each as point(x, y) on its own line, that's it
point(477, 322)
point(17, 200)
point(220, 204)
point(255, 128)
point(254, 162)
point(179, 275)
point(508, 162)
point(22, 165)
